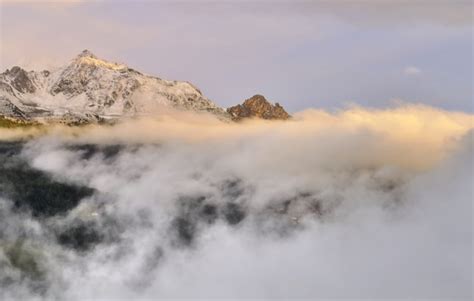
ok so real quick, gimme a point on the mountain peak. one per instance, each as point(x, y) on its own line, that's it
point(87, 58)
point(257, 99)
point(258, 106)
point(86, 53)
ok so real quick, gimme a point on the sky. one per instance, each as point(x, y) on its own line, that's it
point(302, 54)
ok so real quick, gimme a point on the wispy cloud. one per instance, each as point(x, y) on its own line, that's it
point(412, 71)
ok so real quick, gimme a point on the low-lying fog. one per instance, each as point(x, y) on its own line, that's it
point(356, 204)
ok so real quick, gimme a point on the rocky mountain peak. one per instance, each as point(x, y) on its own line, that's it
point(258, 106)
point(19, 79)
point(86, 53)
point(86, 59)
point(88, 73)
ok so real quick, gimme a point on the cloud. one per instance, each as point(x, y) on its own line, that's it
point(411, 71)
point(361, 203)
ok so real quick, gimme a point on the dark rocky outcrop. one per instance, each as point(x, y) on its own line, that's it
point(81, 237)
point(20, 80)
point(8, 109)
point(258, 107)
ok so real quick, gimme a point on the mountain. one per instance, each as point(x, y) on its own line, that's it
point(258, 107)
point(89, 89)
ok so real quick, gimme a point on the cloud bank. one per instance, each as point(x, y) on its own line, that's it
point(355, 204)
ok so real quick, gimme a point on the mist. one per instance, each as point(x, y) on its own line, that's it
point(359, 203)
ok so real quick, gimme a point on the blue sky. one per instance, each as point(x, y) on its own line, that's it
point(322, 54)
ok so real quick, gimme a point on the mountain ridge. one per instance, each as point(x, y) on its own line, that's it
point(89, 89)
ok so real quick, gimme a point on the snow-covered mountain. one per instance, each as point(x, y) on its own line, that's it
point(91, 89)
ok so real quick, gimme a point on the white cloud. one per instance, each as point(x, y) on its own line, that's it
point(412, 70)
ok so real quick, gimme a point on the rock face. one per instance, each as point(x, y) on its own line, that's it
point(258, 107)
point(90, 89)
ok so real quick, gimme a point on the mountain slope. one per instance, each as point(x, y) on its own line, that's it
point(90, 89)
